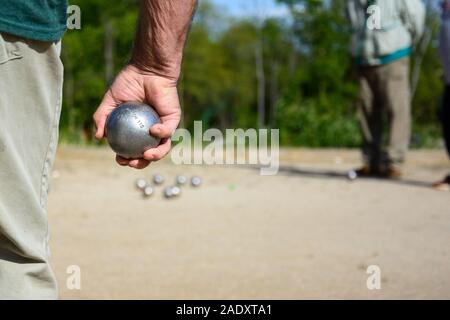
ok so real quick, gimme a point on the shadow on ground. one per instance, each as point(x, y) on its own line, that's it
point(336, 174)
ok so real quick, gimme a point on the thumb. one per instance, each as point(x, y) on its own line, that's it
point(169, 123)
point(164, 130)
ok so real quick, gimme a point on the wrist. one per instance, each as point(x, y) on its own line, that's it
point(164, 80)
point(168, 71)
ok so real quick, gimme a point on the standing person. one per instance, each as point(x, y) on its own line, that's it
point(383, 35)
point(31, 76)
point(444, 52)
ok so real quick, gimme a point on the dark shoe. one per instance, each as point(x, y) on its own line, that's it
point(390, 173)
point(366, 171)
point(443, 185)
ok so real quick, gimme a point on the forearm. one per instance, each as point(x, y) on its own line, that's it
point(161, 35)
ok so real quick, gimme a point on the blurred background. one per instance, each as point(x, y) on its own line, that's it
point(248, 63)
point(307, 232)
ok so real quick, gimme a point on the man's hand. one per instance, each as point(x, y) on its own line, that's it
point(133, 84)
point(153, 73)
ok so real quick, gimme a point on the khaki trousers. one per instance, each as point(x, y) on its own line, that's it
point(385, 97)
point(31, 76)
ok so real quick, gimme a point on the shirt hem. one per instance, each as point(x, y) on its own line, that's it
point(53, 35)
point(386, 59)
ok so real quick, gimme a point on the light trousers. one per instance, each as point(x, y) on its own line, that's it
point(31, 77)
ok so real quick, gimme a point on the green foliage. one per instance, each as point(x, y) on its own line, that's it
point(318, 111)
point(318, 125)
point(83, 54)
point(310, 86)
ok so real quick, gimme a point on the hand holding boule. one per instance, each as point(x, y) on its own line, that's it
point(158, 91)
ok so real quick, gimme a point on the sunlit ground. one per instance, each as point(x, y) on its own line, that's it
point(305, 233)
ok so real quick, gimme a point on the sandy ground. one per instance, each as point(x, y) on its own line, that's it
point(305, 233)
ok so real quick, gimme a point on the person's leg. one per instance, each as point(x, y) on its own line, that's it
point(444, 184)
point(370, 117)
point(31, 76)
point(397, 97)
point(446, 117)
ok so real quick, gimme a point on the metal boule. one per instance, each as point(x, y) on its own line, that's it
point(141, 184)
point(128, 129)
point(176, 191)
point(148, 191)
point(168, 192)
point(181, 180)
point(196, 181)
point(158, 179)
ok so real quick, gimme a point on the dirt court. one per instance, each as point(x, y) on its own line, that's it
point(305, 233)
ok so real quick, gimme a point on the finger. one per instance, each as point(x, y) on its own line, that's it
point(159, 152)
point(122, 161)
point(100, 116)
point(162, 130)
point(138, 163)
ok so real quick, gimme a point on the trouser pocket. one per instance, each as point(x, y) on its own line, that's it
point(9, 50)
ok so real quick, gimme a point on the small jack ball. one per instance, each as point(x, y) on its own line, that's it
point(128, 129)
point(352, 175)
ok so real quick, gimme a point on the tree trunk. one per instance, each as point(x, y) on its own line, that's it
point(109, 50)
point(260, 81)
point(274, 93)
